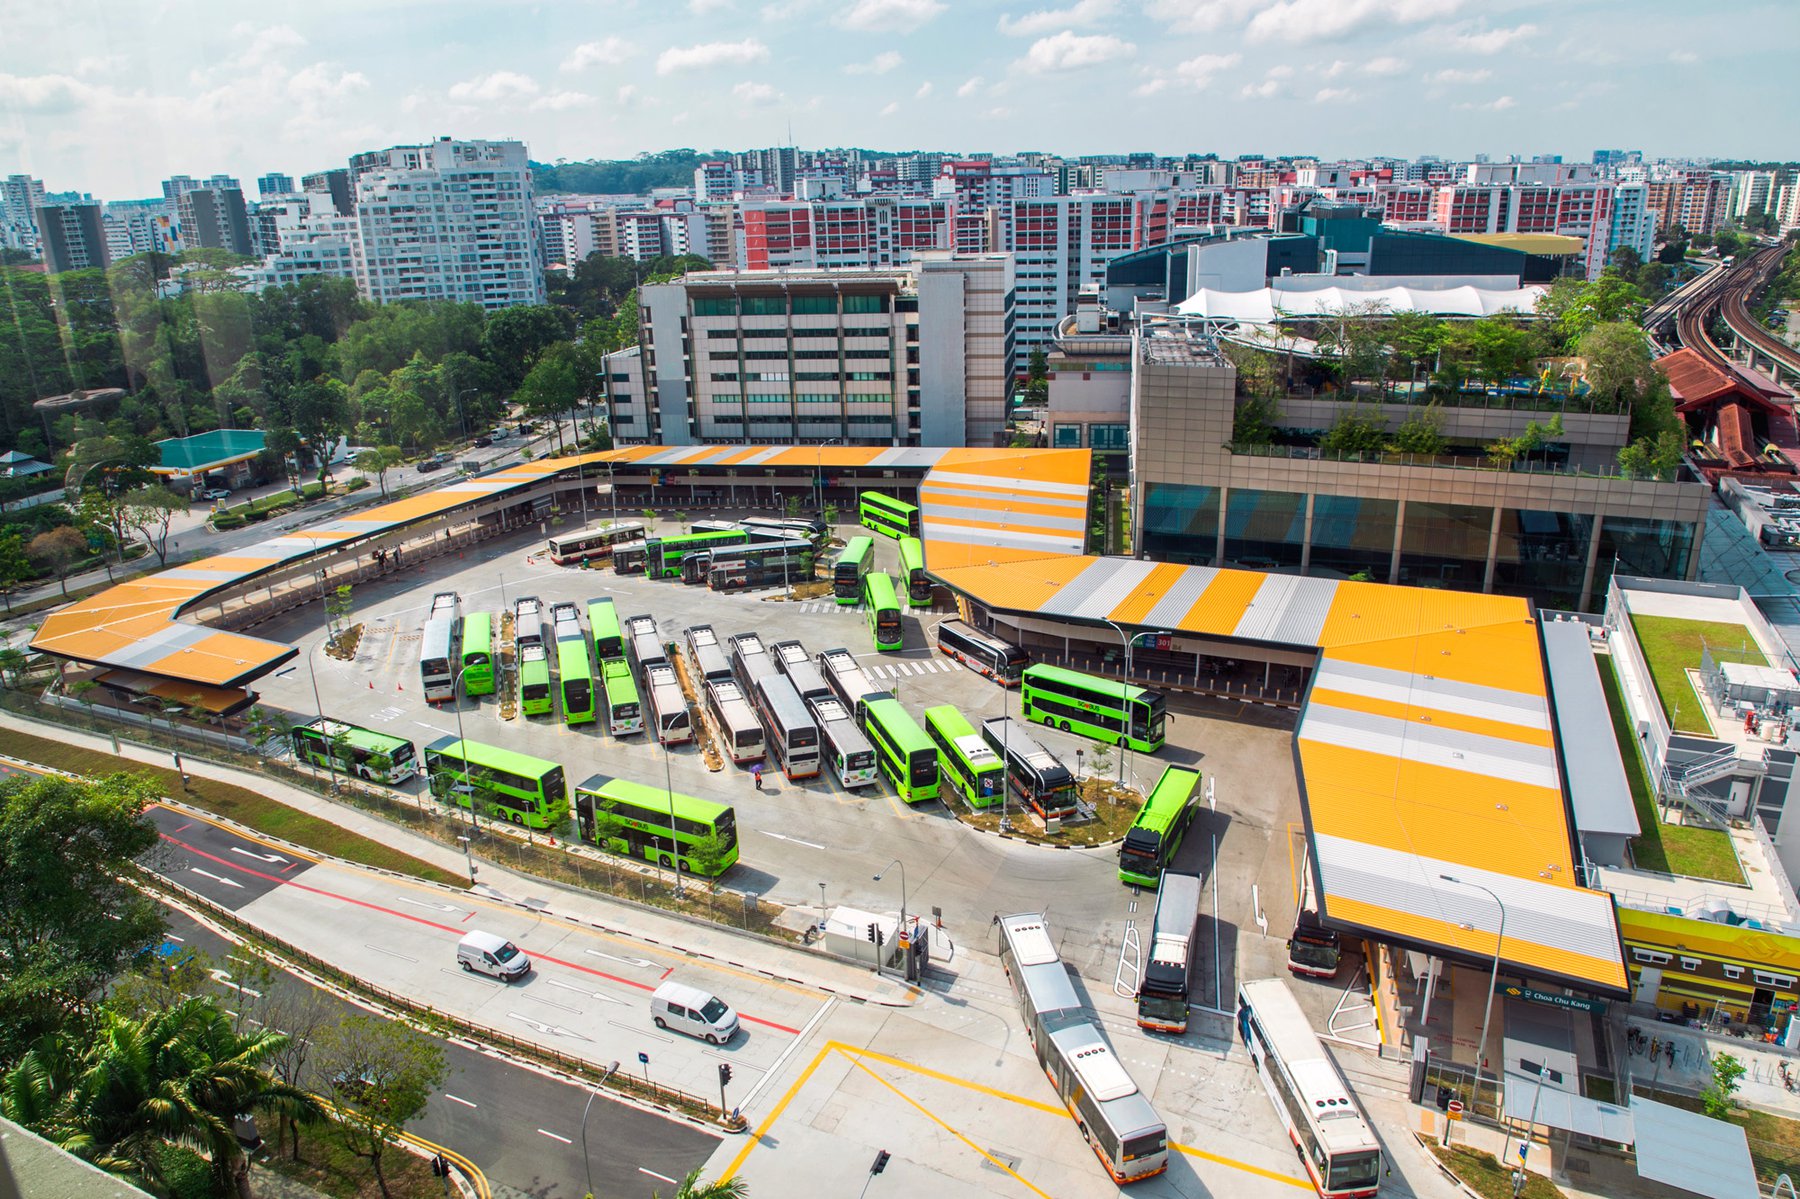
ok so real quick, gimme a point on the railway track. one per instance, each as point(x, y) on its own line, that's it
point(1726, 292)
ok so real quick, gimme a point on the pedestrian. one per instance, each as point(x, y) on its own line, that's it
point(756, 775)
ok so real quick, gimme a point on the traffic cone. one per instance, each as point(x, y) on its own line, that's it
point(371, 684)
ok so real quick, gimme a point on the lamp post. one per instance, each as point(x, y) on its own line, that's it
point(587, 1162)
point(324, 730)
point(884, 870)
point(1125, 732)
point(1493, 983)
point(821, 907)
point(1518, 1177)
point(669, 790)
point(469, 859)
point(819, 469)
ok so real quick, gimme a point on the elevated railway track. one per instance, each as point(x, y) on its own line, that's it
point(1726, 293)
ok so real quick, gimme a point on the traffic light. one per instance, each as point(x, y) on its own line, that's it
point(874, 934)
point(881, 1161)
point(724, 1073)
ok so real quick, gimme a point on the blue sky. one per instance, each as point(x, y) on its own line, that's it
point(99, 96)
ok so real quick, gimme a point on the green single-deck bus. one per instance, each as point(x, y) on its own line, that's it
point(847, 573)
point(882, 610)
point(512, 786)
point(1162, 822)
point(650, 823)
point(888, 516)
point(603, 621)
point(663, 555)
point(624, 711)
point(904, 753)
point(334, 745)
point(478, 653)
point(574, 664)
point(1094, 707)
point(534, 681)
point(912, 572)
point(968, 765)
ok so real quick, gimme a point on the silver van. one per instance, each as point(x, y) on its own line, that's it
point(496, 957)
point(694, 1012)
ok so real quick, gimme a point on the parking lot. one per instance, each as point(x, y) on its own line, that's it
point(795, 837)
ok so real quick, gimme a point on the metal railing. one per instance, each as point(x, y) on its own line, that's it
point(1313, 453)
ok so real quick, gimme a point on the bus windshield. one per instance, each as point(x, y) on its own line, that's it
point(1353, 1171)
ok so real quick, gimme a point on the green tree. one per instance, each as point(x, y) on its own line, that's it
point(1505, 451)
point(1256, 421)
point(515, 338)
point(149, 512)
point(1652, 457)
point(1716, 1097)
point(12, 664)
point(1422, 432)
point(707, 855)
point(54, 552)
point(692, 1188)
point(551, 388)
point(379, 1073)
point(1355, 432)
point(15, 563)
point(378, 462)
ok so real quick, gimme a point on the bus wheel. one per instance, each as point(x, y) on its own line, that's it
point(1065, 726)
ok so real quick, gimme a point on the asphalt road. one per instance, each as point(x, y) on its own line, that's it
point(521, 1127)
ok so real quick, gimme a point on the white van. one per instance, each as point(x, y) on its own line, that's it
point(694, 1012)
point(484, 953)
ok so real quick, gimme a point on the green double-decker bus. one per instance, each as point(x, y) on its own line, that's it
point(1094, 707)
point(478, 653)
point(888, 516)
point(848, 571)
point(534, 681)
point(663, 555)
point(574, 665)
point(1151, 841)
point(508, 785)
point(882, 610)
point(653, 824)
point(912, 572)
point(966, 763)
point(904, 754)
point(364, 753)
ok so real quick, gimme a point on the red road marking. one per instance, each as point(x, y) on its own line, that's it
point(665, 974)
point(449, 928)
point(184, 828)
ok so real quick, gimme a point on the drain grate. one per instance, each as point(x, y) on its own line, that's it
point(1009, 1160)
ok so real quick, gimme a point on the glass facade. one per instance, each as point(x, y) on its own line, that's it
point(1658, 548)
point(1109, 437)
point(1542, 556)
point(1181, 523)
point(1066, 437)
point(1353, 536)
point(1265, 528)
point(1444, 545)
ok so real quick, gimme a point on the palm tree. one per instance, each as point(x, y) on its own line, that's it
point(692, 1188)
point(179, 1076)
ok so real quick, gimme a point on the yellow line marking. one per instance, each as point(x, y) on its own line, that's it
point(781, 1106)
point(853, 1052)
point(933, 1117)
point(1304, 1184)
point(243, 836)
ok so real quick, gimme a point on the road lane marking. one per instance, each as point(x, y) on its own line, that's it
point(173, 937)
point(632, 1028)
point(457, 1099)
point(795, 840)
point(217, 878)
point(654, 1174)
point(830, 1001)
point(420, 903)
point(393, 953)
point(565, 1140)
point(552, 1003)
point(600, 995)
point(640, 962)
point(261, 857)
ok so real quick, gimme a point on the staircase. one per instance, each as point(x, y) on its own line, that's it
point(1678, 783)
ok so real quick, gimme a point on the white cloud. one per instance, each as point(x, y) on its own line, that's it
point(1081, 13)
point(1198, 72)
point(561, 101)
point(1282, 71)
point(755, 94)
point(969, 88)
point(889, 16)
point(787, 10)
point(892, 107)
point(1068, 51)
point(1385, 65)
point(1260, 91)
point(44, 93)
point(710, 54)
point(324, 81)
point(1498, 104)
point(1458, 75)
point(1490, 41)
point(1680, 56)
point(1335, 68)
point(881, 64)
point(628, 95)
point(1150, 86)
point(264, 44)
point(497, 88)
point(607, 52)
point(998, 114)
point(1295, 20)
point(924, 90)
point(1333, 95)
point(100, 64)
point(1201, 16)
point(701, 8)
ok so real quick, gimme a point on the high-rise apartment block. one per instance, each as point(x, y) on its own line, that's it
point(334, 184)
point(275, 184)
point(73, 236)
point(449, 220)
point(20, 198)
point(907, 357)
point(214, 218)
point(140, 227)
point(1693, 199)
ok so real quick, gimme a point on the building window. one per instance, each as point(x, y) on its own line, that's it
point(1734, 971)
point(715, 307)
point(1690, 964)
point(1265, 528)
point(1765, 979)
point(1650, 957)
point(1352, 535)
point(1444, 545)
point(1109, 436)
point(1066, 437)
point(1181, 522)
point(857, 305)
point(1542, 555)
point(765, 306)
point(1658, 549)
point(815, 305)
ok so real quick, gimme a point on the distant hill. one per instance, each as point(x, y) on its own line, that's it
point(622, 176)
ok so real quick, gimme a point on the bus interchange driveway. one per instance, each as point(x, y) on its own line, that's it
point(947, 1083)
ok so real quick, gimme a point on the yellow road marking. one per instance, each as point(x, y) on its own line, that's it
point(852, 1051)
point(1304, 1184)
point(933, 1117)
point(243, 836)
point(781, 1106)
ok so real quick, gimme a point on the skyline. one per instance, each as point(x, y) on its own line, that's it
point(112, 102)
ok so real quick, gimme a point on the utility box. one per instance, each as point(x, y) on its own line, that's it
point(847, 934)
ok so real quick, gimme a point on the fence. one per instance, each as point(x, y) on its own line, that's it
point(445, 1022)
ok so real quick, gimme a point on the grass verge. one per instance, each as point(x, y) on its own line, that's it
point(1115, 807)
point(236, 803)
point(1484, 1175)
point(328, 1166)
point(1672, 646)
point(1668, 848)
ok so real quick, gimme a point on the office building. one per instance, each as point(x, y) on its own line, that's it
point(334, 184)
point(213, 218)
point(449, 220)
point(73, 237)
point(275, 184)
point(905, 357)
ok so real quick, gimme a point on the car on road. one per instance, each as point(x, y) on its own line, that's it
point(216, 493)
point(694, 1012)
point(431, 464)
point(482, 443)
point(492, 955)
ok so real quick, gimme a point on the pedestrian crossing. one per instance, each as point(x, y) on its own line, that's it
point(900, 670)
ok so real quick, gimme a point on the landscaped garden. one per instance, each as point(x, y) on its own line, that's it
point(1672, 646)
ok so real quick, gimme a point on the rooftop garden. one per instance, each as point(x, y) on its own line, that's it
point(1673, 646)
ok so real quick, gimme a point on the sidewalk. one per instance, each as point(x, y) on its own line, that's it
point(695, 938)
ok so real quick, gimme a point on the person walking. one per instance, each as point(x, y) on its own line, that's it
point(756, 775)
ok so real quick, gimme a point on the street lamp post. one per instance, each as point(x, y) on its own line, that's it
point(324, 730)
point(902, 929)
point(669, 790)
point(1493, 983)
point(468, 859)
point(821, 907)
point(587, 1162)
point(819, 468)
point(1125, 732)
point(1518, 1177)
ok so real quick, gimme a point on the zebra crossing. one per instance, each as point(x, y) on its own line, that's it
point(900, 670)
